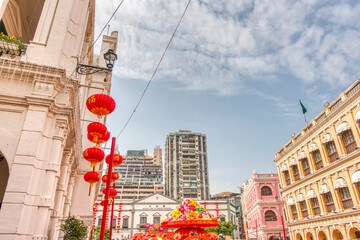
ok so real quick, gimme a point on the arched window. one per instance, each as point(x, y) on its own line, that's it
point(344, 130)
point(4, 176)
point(270, 216)
point(266, 191)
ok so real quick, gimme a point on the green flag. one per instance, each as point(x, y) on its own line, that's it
point(304, 110)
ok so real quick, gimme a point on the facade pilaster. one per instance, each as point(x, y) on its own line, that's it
point(50, 181)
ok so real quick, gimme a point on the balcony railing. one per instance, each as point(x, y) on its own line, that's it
point(305, 213)
point(347, 203)
point(297, 176)
point(333, 157)
point(330, 207)
point(11, 48)
point(287, 181)
point(350, 147)
point(316, 211)
point(319, 164)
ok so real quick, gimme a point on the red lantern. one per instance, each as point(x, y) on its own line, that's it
point(97, 140)
point(118, 159)
point(100, 104)
point(112, 192)
point(94, 155)
point(102, 202)
point(114, 177)
point(96, 130)
point(92, 177)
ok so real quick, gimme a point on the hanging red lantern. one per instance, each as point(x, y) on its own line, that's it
point(94, 155)
point(92, 177)
point(112, 192)
point(100, 104)
point(96, 130)
point(118, 159)
point(114, 177)
point(97, 140)
point(102, 202)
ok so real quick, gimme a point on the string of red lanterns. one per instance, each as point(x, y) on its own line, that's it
point(118, 219)
point(107, 216)
point(94, 210)
point(217, 209)
point(101, 105)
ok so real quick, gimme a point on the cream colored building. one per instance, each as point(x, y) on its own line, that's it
point(319, 173)
point(152, 209)
point(43, 116)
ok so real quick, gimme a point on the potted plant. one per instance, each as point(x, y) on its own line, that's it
point(10, 45)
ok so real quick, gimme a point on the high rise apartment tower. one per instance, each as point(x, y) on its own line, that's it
point(186, 168)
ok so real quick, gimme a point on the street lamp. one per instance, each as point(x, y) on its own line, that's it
point(110, 58)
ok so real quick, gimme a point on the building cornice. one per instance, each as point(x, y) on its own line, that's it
point(313, 127)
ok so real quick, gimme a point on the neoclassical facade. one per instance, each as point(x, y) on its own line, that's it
point(319, 173)
point(152, 209)
point(263, 215)
point(43, 116)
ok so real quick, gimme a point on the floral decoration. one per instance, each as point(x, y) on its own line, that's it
point(189, 209)
point(11, 39)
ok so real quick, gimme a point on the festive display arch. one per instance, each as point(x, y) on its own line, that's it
point(189, 218)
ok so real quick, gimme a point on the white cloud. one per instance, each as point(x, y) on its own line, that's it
point(222, 46)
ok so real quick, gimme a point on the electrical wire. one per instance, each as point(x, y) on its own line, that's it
point(157, 66)
point(92, 45)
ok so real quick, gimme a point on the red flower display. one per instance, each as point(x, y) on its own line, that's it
point(94, 155)
point(118, 159)
point(100, 104)
point(92, 177)
point(114, 177)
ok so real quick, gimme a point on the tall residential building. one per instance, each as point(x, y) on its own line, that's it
point(319, 172)
point(139, 175)
point(264, 210)
point(186, 166)
point(43, 115)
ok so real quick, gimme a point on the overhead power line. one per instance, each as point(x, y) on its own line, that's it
point(157, 66)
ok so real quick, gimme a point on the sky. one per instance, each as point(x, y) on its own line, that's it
point(234, 71)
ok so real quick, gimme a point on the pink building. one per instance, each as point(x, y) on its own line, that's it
point(264, 216)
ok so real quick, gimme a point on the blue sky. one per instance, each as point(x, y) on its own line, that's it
point(234, 71)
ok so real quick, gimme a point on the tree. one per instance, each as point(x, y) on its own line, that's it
point(224, 228)
point(73, 229)
point(96, 233)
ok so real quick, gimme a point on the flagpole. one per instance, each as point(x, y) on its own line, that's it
point(304, 110)
point(305, 119)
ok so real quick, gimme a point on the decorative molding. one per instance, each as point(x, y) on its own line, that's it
point(61, 130)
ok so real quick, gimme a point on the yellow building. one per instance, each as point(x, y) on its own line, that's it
point(319, 173)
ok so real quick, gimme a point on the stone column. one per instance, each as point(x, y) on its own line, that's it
point(70, 189)
point(50, 181)
point(60, 195)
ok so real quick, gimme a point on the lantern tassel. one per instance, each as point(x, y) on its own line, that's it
point(89, 190)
